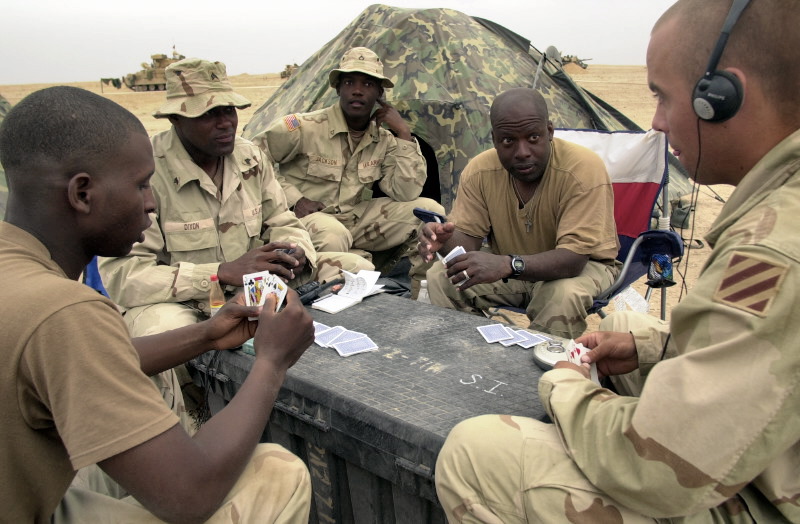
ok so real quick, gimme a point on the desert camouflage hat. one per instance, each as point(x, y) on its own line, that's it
point(360, 60)
point(195, 86)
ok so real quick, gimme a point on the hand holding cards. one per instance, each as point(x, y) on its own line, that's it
point(257, 286)
point(574, 353)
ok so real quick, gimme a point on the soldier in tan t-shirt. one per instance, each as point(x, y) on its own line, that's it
point(74, 392)
point(546, 207)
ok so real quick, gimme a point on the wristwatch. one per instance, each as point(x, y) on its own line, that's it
point(517, 266)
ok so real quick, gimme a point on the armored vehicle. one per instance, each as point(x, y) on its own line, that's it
point(286, 73)
point(151, 77)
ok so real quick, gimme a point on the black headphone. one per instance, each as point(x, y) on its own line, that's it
point(718, 95)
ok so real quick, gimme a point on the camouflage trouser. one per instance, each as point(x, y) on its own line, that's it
point(274, 487)
point(330, 265)
point(557, 307)
point(502, 469)
point(374, 225)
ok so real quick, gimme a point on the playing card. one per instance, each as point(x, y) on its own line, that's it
point(258, 286)
point(325, 337)
point(319, 327)
point(536, 339)
point(530, 339)
point(279, 287)
point(574, 353)
point(351, 347)
point(494, 333)
point(346, 336)
point(254, 284)
point(516, 338)
point(456, 251)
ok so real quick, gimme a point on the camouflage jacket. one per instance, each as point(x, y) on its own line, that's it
point(717, 423)
point(309, 148)
point(193, 231)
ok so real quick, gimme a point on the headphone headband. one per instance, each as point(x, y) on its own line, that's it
point(733, 16)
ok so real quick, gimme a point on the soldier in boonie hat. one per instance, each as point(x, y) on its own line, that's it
point(331, 159)
point(360, 60)
point(195, 86)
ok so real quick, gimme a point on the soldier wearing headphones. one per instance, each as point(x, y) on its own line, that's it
point(709, 431)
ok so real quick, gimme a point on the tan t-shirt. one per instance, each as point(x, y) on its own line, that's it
point(72, 392)
point(573, 207)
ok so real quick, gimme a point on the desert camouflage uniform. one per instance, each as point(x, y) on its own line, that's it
point(715, 434)
point(164, 282)
point(193, 232)
point(274, 487)
point(315, 162)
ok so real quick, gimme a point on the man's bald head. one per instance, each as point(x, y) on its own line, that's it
point(763, 43)
point(511, 101)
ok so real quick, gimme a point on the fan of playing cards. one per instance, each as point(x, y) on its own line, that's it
point(258, 286)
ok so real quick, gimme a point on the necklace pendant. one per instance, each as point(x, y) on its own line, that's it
point(528, 224)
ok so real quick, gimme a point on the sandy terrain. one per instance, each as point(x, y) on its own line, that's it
point(624, 87)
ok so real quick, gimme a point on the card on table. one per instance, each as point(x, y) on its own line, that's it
point(358, 345)
point(346, 336)
point(516, 338)
point(494, 333)
point(324, 338)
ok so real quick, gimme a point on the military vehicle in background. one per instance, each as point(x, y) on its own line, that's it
point(151, 77)
point(572, 59)
point(286, 73)
point(555, 56)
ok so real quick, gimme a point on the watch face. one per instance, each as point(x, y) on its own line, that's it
point(518, 264)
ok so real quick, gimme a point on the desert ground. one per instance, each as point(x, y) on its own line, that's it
point(624, 87)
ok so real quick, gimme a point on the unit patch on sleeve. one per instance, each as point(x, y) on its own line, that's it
point(291, 122)
point(750, 284)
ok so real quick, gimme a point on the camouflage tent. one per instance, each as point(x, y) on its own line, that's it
point(447, 67)
point(4, 108)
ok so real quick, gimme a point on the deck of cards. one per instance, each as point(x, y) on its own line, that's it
point(258, 286)
point(456, 251)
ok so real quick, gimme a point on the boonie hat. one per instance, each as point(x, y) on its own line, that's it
point(195, 86)
point(360, 60)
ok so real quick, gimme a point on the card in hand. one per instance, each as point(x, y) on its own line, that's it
point(254, 284)
point(257, 286)
point(574, 353)
point(456, 251)
point(278, 287)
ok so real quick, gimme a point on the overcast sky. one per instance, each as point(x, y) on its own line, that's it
point(48, 41)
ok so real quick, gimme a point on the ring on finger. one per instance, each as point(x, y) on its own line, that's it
point(466, 275)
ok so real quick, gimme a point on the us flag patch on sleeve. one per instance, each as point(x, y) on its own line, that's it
point(750, 284)
point(291, 122)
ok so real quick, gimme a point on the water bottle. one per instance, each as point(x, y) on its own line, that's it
point(423, 292)
point(216, 297)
